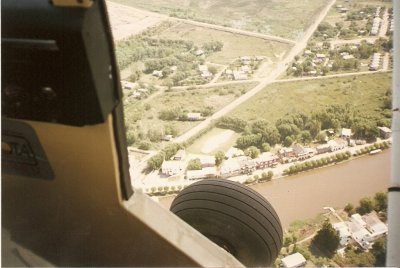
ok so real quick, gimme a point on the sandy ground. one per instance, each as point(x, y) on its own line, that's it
point(215, 141)
point(126, 21)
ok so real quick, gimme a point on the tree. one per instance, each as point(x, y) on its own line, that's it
point(212, 69)
point(381, 201)
point(156, 161)
point(379, 251)
point(252, 151)
point(366, 205)
point(288, 141)
point(327, 239)
point(268, 132)
point(219, 157)
point(266, 147)
point(349, 208)
point(270, 174)
point(144, 145)
point(194, 164)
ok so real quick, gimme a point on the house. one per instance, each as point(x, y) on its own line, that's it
point(358, 220)
point(359, 234)
point(204, 71)
point(324, 148)
point(239, 75)
point(344, 232)
point(385, 132)
point(171, 168)
point(246, 60)
point(348, 57)
point(336, 145)
point(246, 164)
point(321, 56)
point(286, 152)
point(302, 153)
point(167, 138)
point(205, 160)
point(246, 69)
point(157, 73)
point(230, 168)
point(233, 152)
point(346, 133)
point(180, 155)
point(294, 260)
point(199, 52)
point(205, 173)
point(374, 225)
point(266, 160)
point(194, 116)
point(128, 85)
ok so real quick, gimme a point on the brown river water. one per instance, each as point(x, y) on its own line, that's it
point(303, 196)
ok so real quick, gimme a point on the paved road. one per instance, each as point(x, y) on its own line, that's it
point(280, 68)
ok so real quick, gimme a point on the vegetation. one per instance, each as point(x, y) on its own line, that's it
point(194, 164)
point(219, 158)
point(327, 239)
point(270, 19)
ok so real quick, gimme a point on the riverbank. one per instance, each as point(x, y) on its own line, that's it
point(303, 196)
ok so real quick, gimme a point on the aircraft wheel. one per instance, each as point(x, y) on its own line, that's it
point(233, 216)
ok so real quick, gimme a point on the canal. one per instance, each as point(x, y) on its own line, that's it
point(303, 196)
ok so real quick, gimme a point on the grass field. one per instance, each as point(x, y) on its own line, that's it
point(234, 45)
point(199, 146)
point(362, 92)
point(146, 113)
point(286, 18)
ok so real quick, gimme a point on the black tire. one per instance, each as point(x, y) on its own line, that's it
point(233, 216)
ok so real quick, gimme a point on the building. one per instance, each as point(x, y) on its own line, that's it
point(302, 153)
point(171, 168)
point(346, 133)
point(294, 260)
point(266, 160)
point(180, 155)
point(385, 132)
point(359, 234)
point(194, 116)
point(239, 75)
point(336, 145)
point(233, 152)
point(205, 173)
point(247, 165)
point(374, 225)
point(344, 232)
point(324, 148)
point(157, 73)
point(205, 160)
point(230, 168)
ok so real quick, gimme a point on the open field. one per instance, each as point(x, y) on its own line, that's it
point(142, 116)
point(127, 21)
point(361, 92)
point(215, 140)
point(235, 45)
point(269, 17)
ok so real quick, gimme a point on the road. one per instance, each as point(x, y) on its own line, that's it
point(280, 68)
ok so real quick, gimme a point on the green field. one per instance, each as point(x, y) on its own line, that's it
point(234, 45)
point(223, 144)
point(142, 116)
point(286, 18)
point(364, 93)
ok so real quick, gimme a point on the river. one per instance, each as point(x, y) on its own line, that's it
point(304, 195)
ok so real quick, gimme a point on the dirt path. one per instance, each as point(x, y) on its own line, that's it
point(280, 68)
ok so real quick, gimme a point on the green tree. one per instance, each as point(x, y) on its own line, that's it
point(349, 208)
point(327, 239)
point(270, 174)
point(194, 164)
point(266, 147)
point(156, 161)
point(379, 251)
point(381, 202)
point(288, 141)
point(252, 151)
point(268, 132)
point(219, 157)
point(366, 205)
point(144, 145)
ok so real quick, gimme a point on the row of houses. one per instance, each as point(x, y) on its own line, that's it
point(363, 230)
point(375, 62)
point(376, 23)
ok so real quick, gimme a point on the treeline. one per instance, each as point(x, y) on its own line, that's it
point(156, 161)
point(303, 128)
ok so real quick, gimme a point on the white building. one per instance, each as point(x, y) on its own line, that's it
point(208, 172)
point(171, 168)
point(233, 152)
point(194, 116)
point(294, 260)
point(346, 133)
point(230, 167)
point(374, 225)
point(344, 232)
